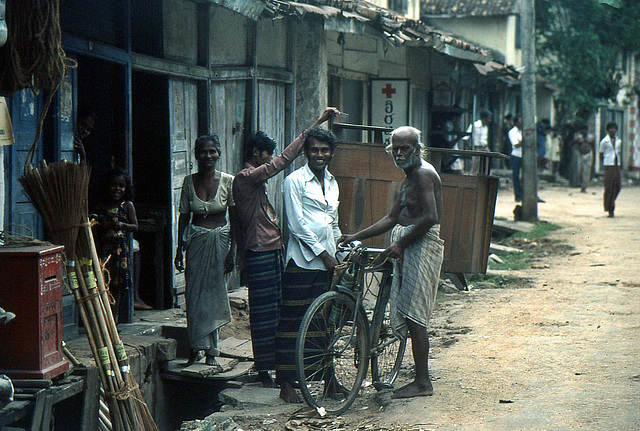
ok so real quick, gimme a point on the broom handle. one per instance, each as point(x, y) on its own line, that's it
point(122, 417)
point(103, 310)
point(113, 330)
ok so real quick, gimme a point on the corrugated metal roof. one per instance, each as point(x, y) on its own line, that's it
point(466, 8)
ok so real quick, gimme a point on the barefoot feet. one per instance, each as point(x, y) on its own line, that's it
point(194, 357)
point(267, 381)
point(288, 393)
point(414, 389)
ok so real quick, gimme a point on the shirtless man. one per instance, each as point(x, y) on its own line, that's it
point(417, 248)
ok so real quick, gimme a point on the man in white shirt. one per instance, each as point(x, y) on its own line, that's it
point(610, 150)
point(479, 131)
point(515, 137)
point(311, 197)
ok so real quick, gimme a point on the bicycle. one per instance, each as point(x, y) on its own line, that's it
point(336, 340)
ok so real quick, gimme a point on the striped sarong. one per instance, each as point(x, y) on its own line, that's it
point(299, 288)
point(264, 280)
point(415, 279)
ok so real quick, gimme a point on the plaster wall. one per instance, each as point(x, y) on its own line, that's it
point(368, 55)
point(498, 33)
point(544, 105)
point(271, 43)
point(180, 31)
point(227, 41)
point(310, 71)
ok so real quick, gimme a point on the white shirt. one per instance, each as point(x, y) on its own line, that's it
point(480, 134)
point(609, 153)
point(515, 137)
point(312, 217)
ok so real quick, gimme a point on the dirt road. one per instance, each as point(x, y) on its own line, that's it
point(558, 352)
point(561, 354)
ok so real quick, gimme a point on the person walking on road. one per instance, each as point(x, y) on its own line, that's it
point(418, 250)
point(584, 141)
point(610, 150)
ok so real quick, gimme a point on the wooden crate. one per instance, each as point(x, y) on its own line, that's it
point(369, 183)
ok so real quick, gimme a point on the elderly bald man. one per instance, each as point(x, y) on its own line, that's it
point(418, 250)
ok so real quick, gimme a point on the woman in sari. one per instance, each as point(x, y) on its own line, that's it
point(204, 234)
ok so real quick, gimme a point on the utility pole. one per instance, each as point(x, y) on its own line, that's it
point(529, 142)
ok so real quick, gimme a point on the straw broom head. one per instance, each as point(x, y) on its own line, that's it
point(58, 192)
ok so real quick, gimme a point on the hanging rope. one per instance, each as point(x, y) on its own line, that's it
point(33, 56)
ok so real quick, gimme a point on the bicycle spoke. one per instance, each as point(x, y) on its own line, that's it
point(327, 344)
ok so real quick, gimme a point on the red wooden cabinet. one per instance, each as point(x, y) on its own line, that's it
point(31, 287)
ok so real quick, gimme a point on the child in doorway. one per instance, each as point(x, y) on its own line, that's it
point(116, 222)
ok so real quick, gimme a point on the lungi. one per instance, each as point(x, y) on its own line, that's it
point(415, 279)
point(264, 272)
point(206, 291)
point(299, 289)
point(612, 185)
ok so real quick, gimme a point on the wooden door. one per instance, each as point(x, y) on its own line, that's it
point(183, 128)
point(20, 216)
point(228, 101)
point(271, 120)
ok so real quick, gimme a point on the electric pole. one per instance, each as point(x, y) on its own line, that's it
point(529, 141)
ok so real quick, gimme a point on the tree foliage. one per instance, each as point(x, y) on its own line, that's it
point(580, 46)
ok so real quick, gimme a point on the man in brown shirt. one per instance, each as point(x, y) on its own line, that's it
point(259, 241)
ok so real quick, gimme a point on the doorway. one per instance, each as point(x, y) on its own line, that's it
point(101, 89)
point(152, 180)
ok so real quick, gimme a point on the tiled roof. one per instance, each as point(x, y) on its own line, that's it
point(466, 8)
point(396, 28)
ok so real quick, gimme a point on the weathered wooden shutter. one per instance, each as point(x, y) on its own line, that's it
point(183, 124)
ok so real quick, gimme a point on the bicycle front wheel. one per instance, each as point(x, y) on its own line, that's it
point(387, 350)
point(332, 353)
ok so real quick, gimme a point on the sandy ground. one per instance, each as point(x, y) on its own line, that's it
point(557, 350)
point(559, 354)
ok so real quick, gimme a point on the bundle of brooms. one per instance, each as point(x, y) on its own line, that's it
point(59, 191)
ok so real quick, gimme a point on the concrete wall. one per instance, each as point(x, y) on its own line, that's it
point(227, 43)
point(310, 71)
point(271, 43)
point(180, 31)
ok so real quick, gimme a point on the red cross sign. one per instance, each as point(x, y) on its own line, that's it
point(388, 91)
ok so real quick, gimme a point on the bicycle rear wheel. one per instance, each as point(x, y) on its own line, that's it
point(387, 351)
point(332, 353)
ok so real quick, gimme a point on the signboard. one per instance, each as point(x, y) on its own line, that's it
point(389, 103)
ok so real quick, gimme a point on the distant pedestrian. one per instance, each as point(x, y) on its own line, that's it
point(505, 147)
point(554, 151)
point(584, 142)
point(515, 138)
point(610, 150)
point(479, 131)
point(541, 141)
